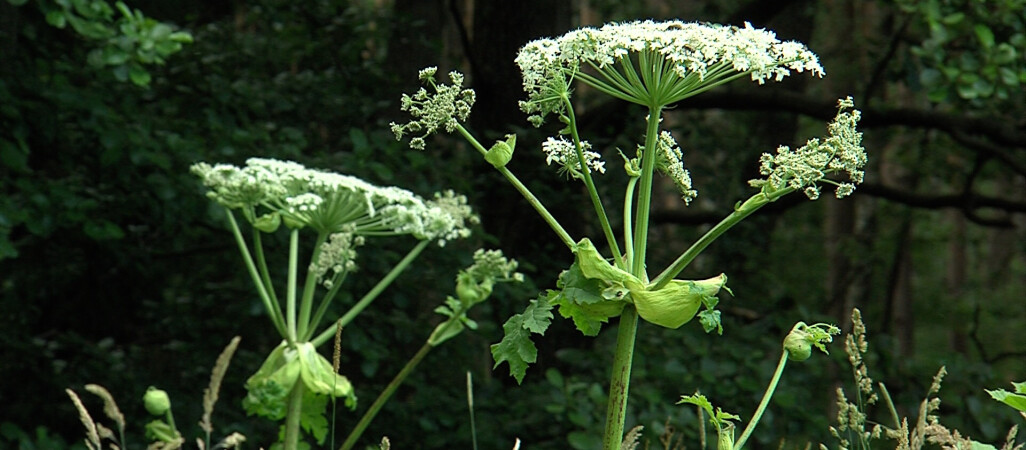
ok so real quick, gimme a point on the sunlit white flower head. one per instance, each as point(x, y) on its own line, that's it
point(803, 169)
point(445, 108)
point(654, 63)
point(671, 164)
point(332, 203)
point(562, 153)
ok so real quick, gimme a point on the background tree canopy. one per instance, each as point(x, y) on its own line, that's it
point(114, 269)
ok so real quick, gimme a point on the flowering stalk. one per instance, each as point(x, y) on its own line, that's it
point(652, 64)
point(473, 286)
point(340, 210)
point(797, 347)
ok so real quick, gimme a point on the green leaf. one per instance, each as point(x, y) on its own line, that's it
point(139, 75)
point(985, 35)
point(580, 289)
point(515, 348)
point(538, 315)
point(56, 18)
point(1017, 401)
point(710, 320)
point(312, 416)
point(589, 318)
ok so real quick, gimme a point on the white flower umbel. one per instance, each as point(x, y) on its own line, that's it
point(804, 168)
point(671, 164)
point(561, 152)
point(654, 63)
point(332, 203)
point(445, 108)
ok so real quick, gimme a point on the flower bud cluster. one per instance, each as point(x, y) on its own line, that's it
point(562, 152)
point(671, 164)
point(445, 108)
point(337, 255)
point(803, 169)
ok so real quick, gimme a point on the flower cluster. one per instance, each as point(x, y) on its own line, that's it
point(491, 264)
point(330, 203)
point(674, 61)
point(337, 255)
point(671, 164)
point(562, 152)
point(449, 105)
point(444, 218)
point(804, 168)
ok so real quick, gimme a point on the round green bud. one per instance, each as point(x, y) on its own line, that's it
point(797, 345)
point(502, 152)
point(156, 401)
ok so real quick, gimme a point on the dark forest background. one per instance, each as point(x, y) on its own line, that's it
point(114, 268)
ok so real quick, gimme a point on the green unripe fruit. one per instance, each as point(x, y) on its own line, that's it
point(156, 401)
point(797, 345)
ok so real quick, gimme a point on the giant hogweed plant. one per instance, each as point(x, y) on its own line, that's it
point(340, 213)
point(655, 65)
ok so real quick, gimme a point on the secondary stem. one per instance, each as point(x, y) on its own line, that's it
point(537, 204)
point(766, 396)
point(590, 184)
point(372, 294)
point(383, 397)
point(746, 209)
point(273, 313)
point(290, 297)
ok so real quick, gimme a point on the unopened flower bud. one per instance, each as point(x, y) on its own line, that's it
point(797, 345)
point(156, 401)
point(502, 152)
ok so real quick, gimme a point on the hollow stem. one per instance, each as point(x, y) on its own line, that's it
point(292, 416)
point(619, 385)
point(766, 396)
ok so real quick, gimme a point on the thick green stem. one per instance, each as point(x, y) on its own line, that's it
point(273, 312)
point(619, 385)
point(648, 158)
point(766, 396)
point(596, 201)
point(383, 397)
point(329, 332)
point(526, 193)
point(292, 416)
point(746, 209)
